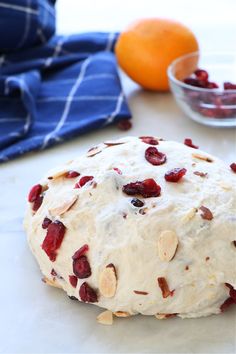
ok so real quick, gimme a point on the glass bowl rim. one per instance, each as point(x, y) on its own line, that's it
point(194, 88)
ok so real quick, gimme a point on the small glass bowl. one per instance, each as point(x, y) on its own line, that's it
point(213, 107)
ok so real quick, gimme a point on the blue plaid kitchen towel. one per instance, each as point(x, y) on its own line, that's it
point(52, 88)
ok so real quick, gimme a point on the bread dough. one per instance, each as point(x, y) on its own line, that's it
point(170, 254)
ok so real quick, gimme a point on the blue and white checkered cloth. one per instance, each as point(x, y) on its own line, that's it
point(52, 92)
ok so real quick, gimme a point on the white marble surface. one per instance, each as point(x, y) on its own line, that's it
point(38, 319)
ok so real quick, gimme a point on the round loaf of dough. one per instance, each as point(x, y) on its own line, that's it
point(138, 225)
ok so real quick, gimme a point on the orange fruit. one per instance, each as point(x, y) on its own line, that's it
point(148, 46)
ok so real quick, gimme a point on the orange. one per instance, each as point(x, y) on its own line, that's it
point(147, 47)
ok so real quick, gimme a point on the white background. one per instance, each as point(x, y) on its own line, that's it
point(38, 319)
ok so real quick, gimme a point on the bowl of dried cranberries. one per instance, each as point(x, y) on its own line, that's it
point(204, 86)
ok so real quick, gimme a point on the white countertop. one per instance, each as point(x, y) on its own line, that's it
point(38, 319)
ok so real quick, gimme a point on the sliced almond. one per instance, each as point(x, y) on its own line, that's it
point(167, 245)
point(189, 215)
point(202, 157)
point(108, 281)
point(110, 143)
point(45, 187)
point(225, 186)
point(160, 316)
point(51, 282)
point(94, 151)
point(121, 314)
point(206, 213)
point(65, 206)
point(164, 316)
point(105, 318)
point(58, 174)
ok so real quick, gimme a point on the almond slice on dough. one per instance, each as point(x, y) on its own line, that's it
point(108, 281)
point(164, 316)
point(167, 245)
point(202, 157)
point(121, 314)
point(58, 174)
point(189, 215)
point(105, 318)
point(65, 206)
point(94, 151)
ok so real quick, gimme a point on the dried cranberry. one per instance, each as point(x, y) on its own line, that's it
point(212, 112)
point(124, 124)
point(232, 294)
point(193, 96)
point(154, 156)
point(73, 280)
point(212, 85)
point(228, 98)
point(37, 203)
point(206, 213)
point(35, 193)
point(83, 181)
point(233, 167)
point(202, 75)
point(149, 140)
point(192, 82)
point(81, 267)
point(46, 223)
point(72, 174)
point(117, 170)
point(189, 143)
point(137, 203)
point(229, 86)
point(175, 175)
point(232, 291)
point(80, 252)
point(147, 188)
point(228, 285)
point(200, 80)
point(226, 304)
point(54, 237)
point(53, 273)
point(87, 294)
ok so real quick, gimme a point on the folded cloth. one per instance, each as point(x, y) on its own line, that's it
point(56, 91)
point(25, 23)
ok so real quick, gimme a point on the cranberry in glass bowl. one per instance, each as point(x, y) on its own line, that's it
point(204, 86)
